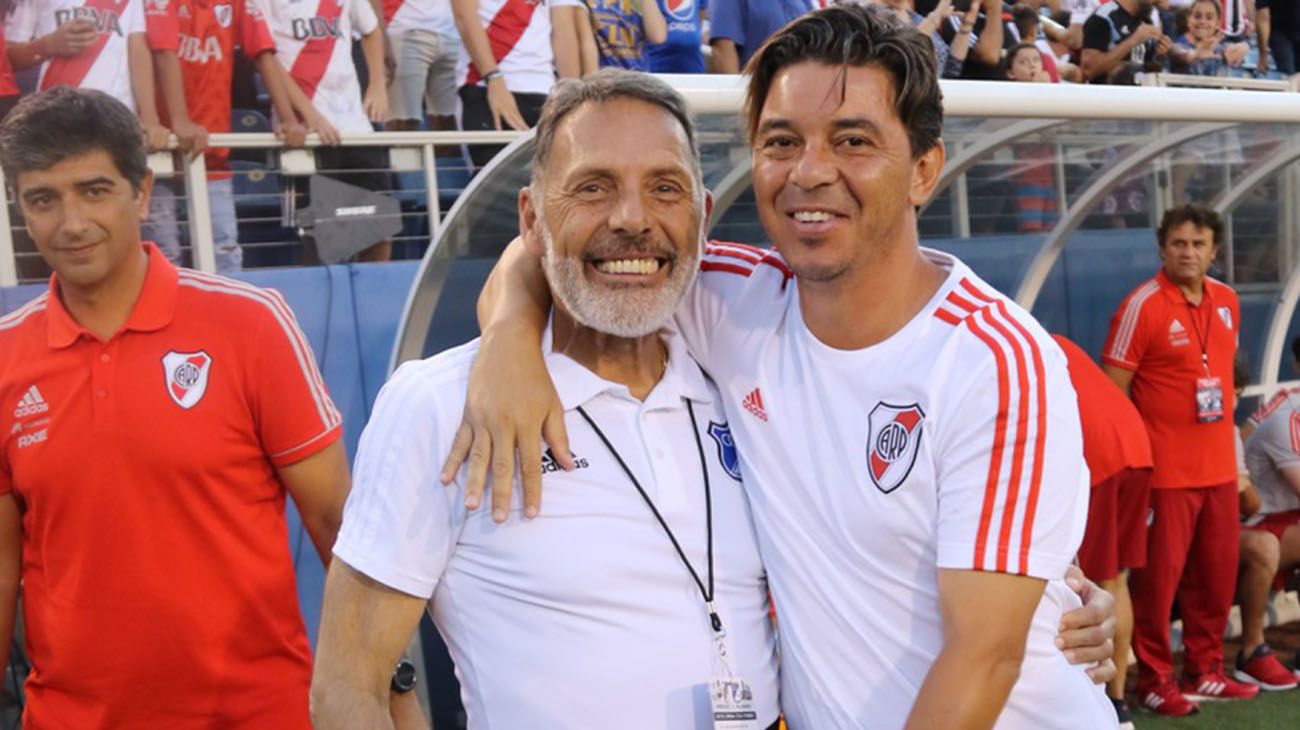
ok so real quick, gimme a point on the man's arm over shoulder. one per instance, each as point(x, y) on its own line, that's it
point(728, 271)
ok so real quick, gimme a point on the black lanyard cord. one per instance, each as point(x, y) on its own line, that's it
point(714, 619)
point(1202, 339)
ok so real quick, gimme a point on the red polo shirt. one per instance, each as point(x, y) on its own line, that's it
point(157, 582)
point(1158, 335)
point(1114, 436)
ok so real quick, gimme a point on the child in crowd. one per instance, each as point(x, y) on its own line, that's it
point(1035, 183)
point(1202, 50)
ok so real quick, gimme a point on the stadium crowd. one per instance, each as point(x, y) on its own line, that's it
point(1183, 506)
point(489, 64)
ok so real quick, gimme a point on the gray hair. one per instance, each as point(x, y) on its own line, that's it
point(46, 128)
point(603, 86)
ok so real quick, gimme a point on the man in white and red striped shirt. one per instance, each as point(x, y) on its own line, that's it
point(426, 48)
point(909, 438)
point(88, 44)
point(513, 50)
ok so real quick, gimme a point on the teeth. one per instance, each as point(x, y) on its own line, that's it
point(629, 266)
point(811, 216)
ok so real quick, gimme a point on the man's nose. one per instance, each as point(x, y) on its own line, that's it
point(630, 215)
point(814, 167)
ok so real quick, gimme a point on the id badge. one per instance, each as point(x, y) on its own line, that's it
point(732, 700)
point(1209, 400)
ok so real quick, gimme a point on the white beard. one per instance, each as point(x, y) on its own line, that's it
point(627, 311)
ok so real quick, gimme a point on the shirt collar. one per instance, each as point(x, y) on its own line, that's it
point(153, 308)
point(1175, 294)
point(682, 377)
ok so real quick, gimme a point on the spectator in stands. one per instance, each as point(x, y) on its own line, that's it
point(194, 54)
point(739, 28)
point(1279, 34)
point(9, 91)
point(1034, 174)
point(88, 47)
point(988, 39)
point(1118, 452)
point(1204, 50)
point(1026, 20)
point(1270, 538)
point(1171, 347)
point(682, 52)
point(1056, 41)
point(425, 46)
point(1236, 19)
point(157, 583)
point(510, 61)
point(1121, 39)
point(617, 33)
point(1080, 11)
point(950, 58)
point(314, 45)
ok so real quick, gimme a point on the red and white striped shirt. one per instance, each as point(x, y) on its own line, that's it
point(103, 66)
point(953, 444)
point(313, 41)
point(519, 32)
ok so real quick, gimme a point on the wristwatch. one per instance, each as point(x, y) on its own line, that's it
point(403, 677)
point(493, 74)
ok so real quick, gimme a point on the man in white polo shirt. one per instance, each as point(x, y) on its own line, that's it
point(909, 437)
point(638, 600)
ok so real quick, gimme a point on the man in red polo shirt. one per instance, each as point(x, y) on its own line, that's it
point(1118, 452)
point(154, 421)
point(1171, 348)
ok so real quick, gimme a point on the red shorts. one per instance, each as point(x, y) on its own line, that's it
point(1116, 536)
point(1276, 522)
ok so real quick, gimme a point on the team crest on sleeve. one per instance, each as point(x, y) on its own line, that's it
point(721, 434)
point(893, 437)
point(186, 376)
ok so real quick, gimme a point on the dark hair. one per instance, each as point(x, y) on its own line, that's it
point(849, 35)
point(1198, 215)
point(1240, 371)
point(46, 128)
point(1026, 20)
point(607, 85)
point(1008, 60)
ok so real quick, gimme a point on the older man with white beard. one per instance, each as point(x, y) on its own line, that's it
point(638, 600)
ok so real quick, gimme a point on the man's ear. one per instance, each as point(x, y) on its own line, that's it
point(926, 171)
point(529, 220)
point(142, 195)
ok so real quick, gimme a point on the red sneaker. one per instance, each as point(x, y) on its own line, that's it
point(1213, 685)
point(1265, 670)
point(1165, 699)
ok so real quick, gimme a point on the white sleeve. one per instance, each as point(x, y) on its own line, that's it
point(399, 524)
point(1013, 484)
point(363, 17)
point(726, 270)
point(20, 26)
point(133, 17)
point(1279, 436)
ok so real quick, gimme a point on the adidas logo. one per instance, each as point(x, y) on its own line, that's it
point(31, 404)
point(549, 464)
point(1176, 328)
point(754, 404)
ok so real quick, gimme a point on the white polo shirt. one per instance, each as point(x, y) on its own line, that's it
point(955, 444)
point(584, 617)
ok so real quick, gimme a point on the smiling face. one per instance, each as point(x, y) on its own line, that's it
point(617, 216)
point(834, 175)
point(84, 217)
point(1187, 252)
point(1203, 19)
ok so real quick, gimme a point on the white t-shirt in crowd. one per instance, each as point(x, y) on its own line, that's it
point(104, 65)
point(523, 29)
point(953, 444)
point(584, 617)
point(313, 40)
point(1273, 446)
point(430, 15)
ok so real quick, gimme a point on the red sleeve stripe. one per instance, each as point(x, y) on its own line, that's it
point(1040, 432)
point(1295, 431)
point(725, 267)
point(744, 253)
point(1267, 409)
point(1128, 323)
point(999, 430)
point(755, 250)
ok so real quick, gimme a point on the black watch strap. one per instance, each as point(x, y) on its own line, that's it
point(403, 677)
